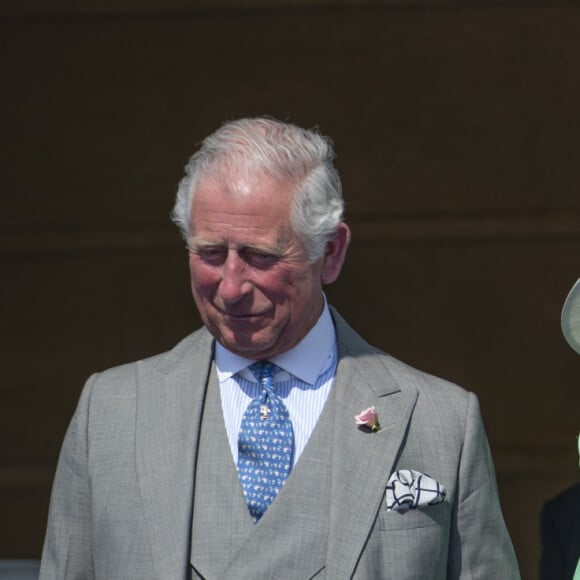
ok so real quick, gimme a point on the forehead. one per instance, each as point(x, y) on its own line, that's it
point(241, 200)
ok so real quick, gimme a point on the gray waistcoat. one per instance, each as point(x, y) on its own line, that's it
point(290, 540)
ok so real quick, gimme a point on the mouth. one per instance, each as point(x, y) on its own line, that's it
point(241, 317)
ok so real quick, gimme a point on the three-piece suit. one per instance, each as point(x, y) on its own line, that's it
point(146, 486)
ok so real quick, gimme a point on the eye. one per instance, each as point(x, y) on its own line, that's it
point(213, 255)
point(259, 259)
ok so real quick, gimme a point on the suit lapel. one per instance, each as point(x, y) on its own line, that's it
point(362, 460)
point(170, 399)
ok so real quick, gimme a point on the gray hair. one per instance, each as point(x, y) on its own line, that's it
point(282, 151)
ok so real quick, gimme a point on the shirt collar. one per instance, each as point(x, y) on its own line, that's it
point(307, 360)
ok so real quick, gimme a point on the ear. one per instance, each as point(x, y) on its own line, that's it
point(335, 253)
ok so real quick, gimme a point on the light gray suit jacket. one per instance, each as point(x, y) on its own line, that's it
point(122, 499)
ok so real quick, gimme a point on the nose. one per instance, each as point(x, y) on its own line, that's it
point(234, 283)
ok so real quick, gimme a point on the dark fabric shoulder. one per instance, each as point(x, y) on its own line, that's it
point(566, 501)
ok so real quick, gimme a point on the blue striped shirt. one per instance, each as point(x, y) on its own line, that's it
point(304, 383)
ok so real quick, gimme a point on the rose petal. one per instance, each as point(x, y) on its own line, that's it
point(367, 417)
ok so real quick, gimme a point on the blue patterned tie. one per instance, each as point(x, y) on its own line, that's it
point(265, 444)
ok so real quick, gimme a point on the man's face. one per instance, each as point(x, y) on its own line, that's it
point(251, 280)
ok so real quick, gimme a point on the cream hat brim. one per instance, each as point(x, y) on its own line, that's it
point(571, 317)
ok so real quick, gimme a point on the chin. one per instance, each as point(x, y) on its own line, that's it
point(248, 347)
point(254, 351)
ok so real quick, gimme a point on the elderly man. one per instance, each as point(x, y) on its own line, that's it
point(274, 442)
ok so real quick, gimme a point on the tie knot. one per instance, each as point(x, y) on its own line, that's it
point(264, 371)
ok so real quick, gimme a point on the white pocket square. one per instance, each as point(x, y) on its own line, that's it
point(408, 489)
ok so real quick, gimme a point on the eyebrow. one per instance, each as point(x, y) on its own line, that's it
point(199, 243)
point(274, 249)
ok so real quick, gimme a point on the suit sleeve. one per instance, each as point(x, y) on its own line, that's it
point(480, 547)
point(66, 553)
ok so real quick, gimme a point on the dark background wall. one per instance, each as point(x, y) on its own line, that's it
point(457, 129)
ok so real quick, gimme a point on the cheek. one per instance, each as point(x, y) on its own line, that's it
point(279, 286)
point(292, 287)
point(202, 278)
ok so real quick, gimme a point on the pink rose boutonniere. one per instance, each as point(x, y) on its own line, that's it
point(368, 418)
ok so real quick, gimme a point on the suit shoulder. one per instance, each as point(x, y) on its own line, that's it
point(115, 378)
point(382, 366)
point(437, 399)
point(352, 345)
point(426, 383)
